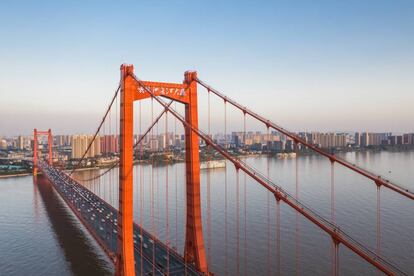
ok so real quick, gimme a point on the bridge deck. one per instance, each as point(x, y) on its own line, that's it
point(100, 219)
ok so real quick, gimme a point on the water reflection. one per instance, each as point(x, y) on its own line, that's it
point(84, 256)
point(39, 235)
point(355, 205)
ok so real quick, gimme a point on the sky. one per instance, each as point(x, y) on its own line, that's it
point(307, 65)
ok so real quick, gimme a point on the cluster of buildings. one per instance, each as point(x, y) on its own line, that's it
point(19, 142)
point(109, 144)
point(366, 139)
point(80, 143)
point(73, 146)
point(275, 141)
point(327, 140)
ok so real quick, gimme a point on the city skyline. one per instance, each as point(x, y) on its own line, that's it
point(109, 143)
point(332, 66)
point(207, 137)
point(350, 132)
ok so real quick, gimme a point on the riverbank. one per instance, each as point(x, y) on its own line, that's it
point(14, 175)
point(279, 155)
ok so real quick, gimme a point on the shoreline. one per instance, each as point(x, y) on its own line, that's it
point(14, 175)
point(242, 156)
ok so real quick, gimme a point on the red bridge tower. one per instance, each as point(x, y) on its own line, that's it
point(36, 133)
point(185, 93)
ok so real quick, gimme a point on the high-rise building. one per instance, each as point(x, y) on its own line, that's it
point(80, 144)
point(392, 140)
point(20, 143)
point(365, 139)
point(357, 139)
point(162, 141)
point(154, 144)
point(109, 144)
point(376, 139)
point(62, 140)
point(3, 144)
point(408, 138)
point(328, 140)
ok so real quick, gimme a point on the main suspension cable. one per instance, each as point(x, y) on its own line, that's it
point(97, 131)
point(139, 141)
point(331, 229)
point(376, 178)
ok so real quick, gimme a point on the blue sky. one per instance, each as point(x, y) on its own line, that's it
point(308, 65)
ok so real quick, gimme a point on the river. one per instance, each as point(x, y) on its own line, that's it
point(40, 236)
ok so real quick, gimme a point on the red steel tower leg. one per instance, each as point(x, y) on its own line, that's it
point(35, 152)
point(50, 144)
point(194, 251)
point(125, 255)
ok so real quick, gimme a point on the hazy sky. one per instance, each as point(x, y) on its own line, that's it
point(308, 65)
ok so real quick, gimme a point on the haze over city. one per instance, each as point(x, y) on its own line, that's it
point(204, 138)
point(308, 65)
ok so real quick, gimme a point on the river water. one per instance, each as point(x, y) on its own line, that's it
point(40, 236)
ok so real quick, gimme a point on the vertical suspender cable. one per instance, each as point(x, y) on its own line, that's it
point(176, 184)
point(225, 192)
point(157, 191)
point(333, 191)
point(378, 220)
point(141, 188)
point(278, 255)
point(208, 188)
point(116, 141)
point(135, 156)
point(152, 190)
point(336, 257)
point(245, 225)
point(269, 266)
point(244, 130)
point(238, 219)
point(333, 211)
point(297, 214)
point(104, 151)
point(167, 222)
point(245, 214)
point(184, 201)
point(116, 115)
point(110, 132)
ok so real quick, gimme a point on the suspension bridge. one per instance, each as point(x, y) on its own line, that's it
point(138, 251)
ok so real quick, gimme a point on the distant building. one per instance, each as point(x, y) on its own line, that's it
point(162, 142)
point(357, 139)
point(20, 143)
point(329, 140)
point(392, 140)
point(62, 140)
point(376, 139)
point(80, 144)
point(3, 144)
point(289, 146)
point(365, 139)
point(154, 145)
point(109, 144)
point(408, 139)
point(276, 145)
